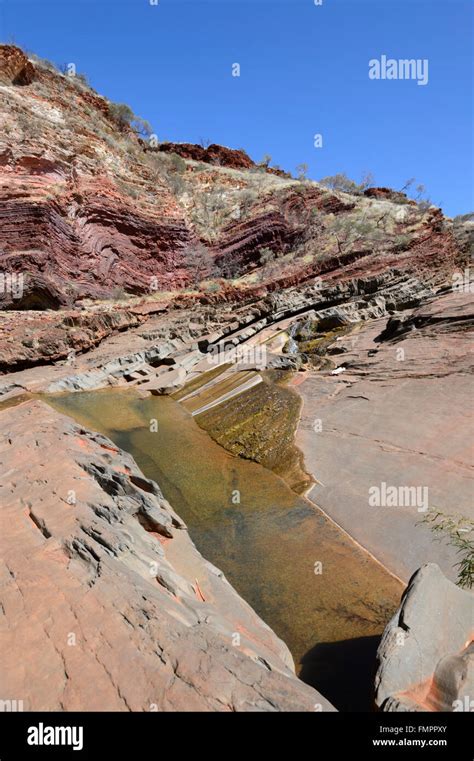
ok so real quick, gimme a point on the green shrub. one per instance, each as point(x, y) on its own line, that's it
point(121, 113)
point(127, 189)
point(123, 116)
point(177, 163)
point(401, 241)
point(43, 62)
point(82, 78)
point(266, 161)
point(119, 294)
point(458, 531)
point(340, 182)
point(266, 255)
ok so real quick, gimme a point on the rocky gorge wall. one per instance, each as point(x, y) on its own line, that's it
point(91, 210)
point(135, 263)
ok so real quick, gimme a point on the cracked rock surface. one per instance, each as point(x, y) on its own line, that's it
point(399, 415)
point(105, 602)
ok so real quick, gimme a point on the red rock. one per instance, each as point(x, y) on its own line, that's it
point(388, 194)
point(104, 617)
point(84, 214)
point(214, 154)
point(15, 68)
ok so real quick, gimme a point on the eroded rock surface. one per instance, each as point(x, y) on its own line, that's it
point(106, 603)
point(212, 154)
point(426, 656)
point(398, 414)
point(15, 68)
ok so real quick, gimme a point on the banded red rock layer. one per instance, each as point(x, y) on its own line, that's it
point(88, 209)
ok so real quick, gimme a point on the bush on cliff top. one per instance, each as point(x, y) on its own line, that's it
point(342, 182)
point(124, 117)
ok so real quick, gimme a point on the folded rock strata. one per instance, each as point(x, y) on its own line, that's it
point(89, 209)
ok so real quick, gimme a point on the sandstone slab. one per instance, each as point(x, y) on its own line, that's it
point(426, 656)
point(399, 415)
point(106, 603)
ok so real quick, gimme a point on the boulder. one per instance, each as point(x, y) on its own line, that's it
point(426, 656)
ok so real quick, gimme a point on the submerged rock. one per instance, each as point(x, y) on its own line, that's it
point(426, 656)
point(259, 424)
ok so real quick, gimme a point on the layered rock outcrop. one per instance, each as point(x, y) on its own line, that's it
point(82, 213)
point(89, 208)
point(426, 656)
point(106, 603)
point(15, 68)
point(212, 154)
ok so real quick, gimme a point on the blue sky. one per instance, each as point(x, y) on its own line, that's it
point(304, 71)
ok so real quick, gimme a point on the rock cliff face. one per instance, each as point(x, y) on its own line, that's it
point(81, 211)
point(16, 69)
point(106, 603)
point(90, 209)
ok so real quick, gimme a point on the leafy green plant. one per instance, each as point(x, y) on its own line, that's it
point(458, 531)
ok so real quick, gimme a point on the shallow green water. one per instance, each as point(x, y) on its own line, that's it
point(264, 537)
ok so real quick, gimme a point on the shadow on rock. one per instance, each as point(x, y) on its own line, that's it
point(343, 672)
